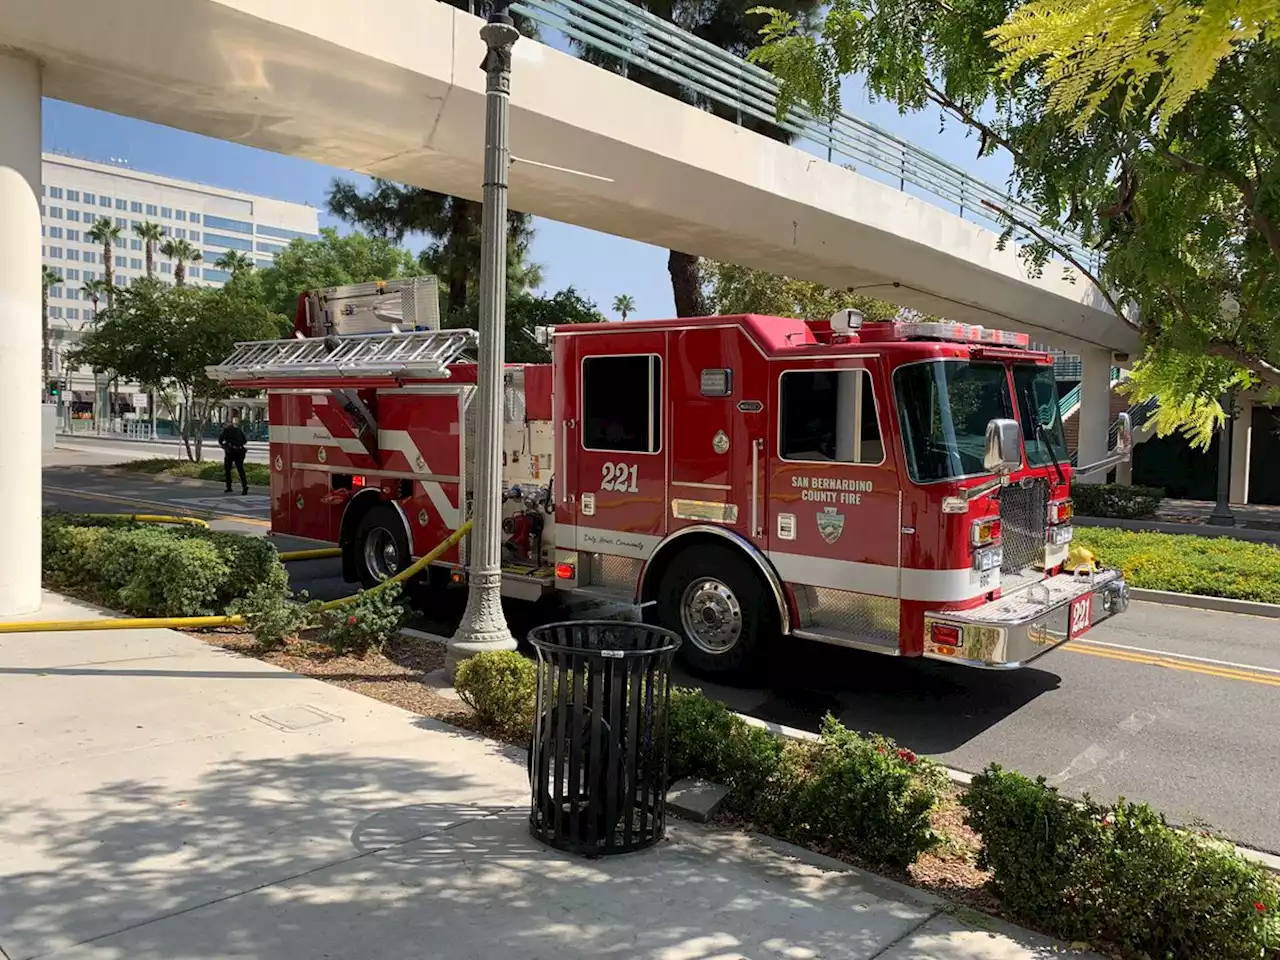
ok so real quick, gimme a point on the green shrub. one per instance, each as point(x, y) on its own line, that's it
point(1115, 501)
point(274, 616)
point(252, 562)
point(501, 687)
point(365, 624)
point(1183, 563)
point(711, 742)
point(1119, 875)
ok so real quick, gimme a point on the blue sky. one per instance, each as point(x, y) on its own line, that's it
point(599, 265)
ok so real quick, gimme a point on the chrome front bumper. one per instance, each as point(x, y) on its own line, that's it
point(1016, 629)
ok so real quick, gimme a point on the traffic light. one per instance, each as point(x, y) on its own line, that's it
point(54, 389)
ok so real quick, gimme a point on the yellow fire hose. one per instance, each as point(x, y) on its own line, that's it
point(152, 623)
point(320, 553)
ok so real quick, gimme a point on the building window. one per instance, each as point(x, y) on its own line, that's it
point(73, 293)
point(264, 264)
point(829, 416)
point(193, 272)
point(151, 209)
point(223, 223)
point(621, 404)
point(58, 271)
point(55, 233)
point(122, 204)
point(212, 273)
point(73, 196)
point(55, 193)
point(194, 217)
point(55, 212)
point(55, 293)
point(180, 233)
point(195, 235)
point(122, 261)
point(73, 313)
point(73, 215)
point(166, 268)
point(281, 234)
point(90, 275)
point(135, 244)
point(180, 215)
point(55, 253)
point(122, 223)
point(73, 235)
point(104, 202)
point(89, 198)
point(135, 263)
point(166, 212)
point(269, 247)
point(134, 224)
point(73, 253)
point(55, 312)
point(90, 256)
point(218, 240)
point(73, 274)
point(135, 206)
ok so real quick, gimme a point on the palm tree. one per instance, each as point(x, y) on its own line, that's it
point(623, 304)
point(234, 262)
point(48, 278)
point(95, 290)
point(150, 234)
point(181, 252)
point(106, 233)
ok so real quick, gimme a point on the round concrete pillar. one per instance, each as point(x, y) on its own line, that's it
point(20, 333)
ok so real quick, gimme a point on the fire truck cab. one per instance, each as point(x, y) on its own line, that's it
point(895, 487)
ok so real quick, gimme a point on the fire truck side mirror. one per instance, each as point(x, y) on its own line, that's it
point(1124, 433)
point(1003, 452)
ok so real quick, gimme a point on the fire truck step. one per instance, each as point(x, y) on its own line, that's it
point(844, 638)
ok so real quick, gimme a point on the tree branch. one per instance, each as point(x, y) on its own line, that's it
point(1062, 251)
point(1248, 191)
point(1266, 371)
point(964, 116)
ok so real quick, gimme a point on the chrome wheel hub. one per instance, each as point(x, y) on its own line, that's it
point(711, 616)
point(381, 557)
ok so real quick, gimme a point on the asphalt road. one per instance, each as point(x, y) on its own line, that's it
point(1168, 705)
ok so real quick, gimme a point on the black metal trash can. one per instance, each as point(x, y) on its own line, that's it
point(598, 757)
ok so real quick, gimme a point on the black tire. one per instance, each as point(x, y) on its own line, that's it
point(379, 530)
point(700, 574)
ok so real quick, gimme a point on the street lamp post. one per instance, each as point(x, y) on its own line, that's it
point(1222, 515)
point(483, 625)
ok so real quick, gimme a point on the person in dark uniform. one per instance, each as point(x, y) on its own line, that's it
point(234, 447)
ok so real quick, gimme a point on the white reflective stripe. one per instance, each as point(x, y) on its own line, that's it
point(400, 442)
point(317, 436)
point(638, 546)
point(932, 586)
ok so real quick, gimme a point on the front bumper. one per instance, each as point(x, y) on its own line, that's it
point(1016, 629)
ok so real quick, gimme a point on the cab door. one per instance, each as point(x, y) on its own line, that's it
point(621, 440)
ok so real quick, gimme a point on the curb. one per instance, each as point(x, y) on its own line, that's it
point(1251, 608)
point(1246, 534)
point(1269, 860)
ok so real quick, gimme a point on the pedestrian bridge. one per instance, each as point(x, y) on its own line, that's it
point(394, 88)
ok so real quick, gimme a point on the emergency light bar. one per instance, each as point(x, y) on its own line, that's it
point(941, 330)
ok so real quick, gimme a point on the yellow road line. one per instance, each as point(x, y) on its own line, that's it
point(177, 508)
point(1222, 673)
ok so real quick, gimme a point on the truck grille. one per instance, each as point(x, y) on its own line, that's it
point(1024, 511)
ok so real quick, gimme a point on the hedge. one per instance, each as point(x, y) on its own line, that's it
point(1115, 501)
point(156, 571)
point(1183, 563)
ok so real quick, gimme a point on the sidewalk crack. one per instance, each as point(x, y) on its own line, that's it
point(906, 934)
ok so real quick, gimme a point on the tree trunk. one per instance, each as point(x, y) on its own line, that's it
point(151, 259)
point(686, 285)
point(45, 357)
point(456, 250)
point(108, 271)
point(179, 273)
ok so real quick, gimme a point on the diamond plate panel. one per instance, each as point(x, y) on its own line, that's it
point(607, 570)
point(860, 614)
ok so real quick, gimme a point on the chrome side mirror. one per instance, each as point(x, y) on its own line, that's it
point(1124, 433)
point(1003, 452)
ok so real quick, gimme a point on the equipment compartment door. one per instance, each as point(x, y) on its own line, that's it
point(621, 443)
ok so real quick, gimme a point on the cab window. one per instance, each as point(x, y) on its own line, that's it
point(829, 416)
point(621, 404)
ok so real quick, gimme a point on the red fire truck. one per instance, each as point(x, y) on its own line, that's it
point(895, 487)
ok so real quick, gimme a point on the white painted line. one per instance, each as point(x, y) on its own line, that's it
point(1180, 656)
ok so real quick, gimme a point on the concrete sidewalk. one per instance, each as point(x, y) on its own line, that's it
point(161, 799)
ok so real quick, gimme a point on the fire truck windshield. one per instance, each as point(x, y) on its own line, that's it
point(1037, 394)
point(944, 407)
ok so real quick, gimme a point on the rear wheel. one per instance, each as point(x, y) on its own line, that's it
point(719, 605)
point(380, 545)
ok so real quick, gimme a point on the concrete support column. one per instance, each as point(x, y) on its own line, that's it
point(1241, 438)
point(1095, 410)
point(20, 333)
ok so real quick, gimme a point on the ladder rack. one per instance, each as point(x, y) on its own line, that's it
point(420, 355)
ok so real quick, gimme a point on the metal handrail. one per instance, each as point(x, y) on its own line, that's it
point(1139, 414)
point(1071, 398)
point(637, 38)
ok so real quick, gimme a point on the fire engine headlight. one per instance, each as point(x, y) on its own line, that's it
point(1060, 535)
point(988, 558)
point(1060, 511)
point(985, 531)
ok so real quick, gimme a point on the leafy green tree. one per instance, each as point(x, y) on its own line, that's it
point(181, 252)
point(108, 234)
point(48, 278)
point(328, 262)
point(731, 289)
point(623, 305)
point(526, 312)
point(163, 337)
point(150, 234)
point(729, 25)
point(1184, 207)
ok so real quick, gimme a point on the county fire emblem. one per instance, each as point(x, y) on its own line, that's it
point(830, 524)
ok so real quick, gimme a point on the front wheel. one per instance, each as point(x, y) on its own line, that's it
point(381, 545)
point(718, 604)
